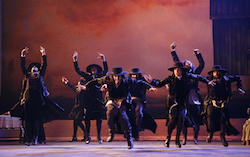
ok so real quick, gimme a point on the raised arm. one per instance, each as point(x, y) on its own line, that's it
point(23, 65)
point(77, 69)
point(199, 57)
point(173, 53)
point(66, 82)
point(105, 65)
point(43, 61)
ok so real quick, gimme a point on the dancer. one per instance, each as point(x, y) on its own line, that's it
point(119, 97)
point(34, 97)
point(194, 101)
point(93, 95)
point(178, 92)
point(215, 111)
point(77, 111)
point(138, 93)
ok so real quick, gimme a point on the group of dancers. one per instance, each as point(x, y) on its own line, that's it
point(122, 96)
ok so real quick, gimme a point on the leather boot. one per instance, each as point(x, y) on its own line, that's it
point(99, 138)
point(209, 137)
point(223, 139)
point(88, 139)
point(73, 139)
point(130, 140)
point(177, 142)
point(110, 138)
point(184, 141)
point(167, 142)
point(196, 138)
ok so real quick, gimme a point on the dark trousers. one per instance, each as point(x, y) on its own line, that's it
point(216, 119)
point(98, 126)
point(176, 118)
point(112, 113)
point(76, 123)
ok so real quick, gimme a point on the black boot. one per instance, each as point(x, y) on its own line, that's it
point(209, 137)
point(167, 142)
point(177, 142)
point(130, 140)
point(73, 139)
point(99, 138)
point(223, 139)
point(196, 138)
point(184, 141)
point(84, 137)
point(110, 138)
point(88, 139)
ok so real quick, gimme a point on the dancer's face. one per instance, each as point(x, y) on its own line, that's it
point(134, 76)
point(177, 72)
point(34, 69)
point(93, 70)
point(216, 74)
point(117, 79)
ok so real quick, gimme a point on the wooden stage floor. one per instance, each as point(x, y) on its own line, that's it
point(119, 148)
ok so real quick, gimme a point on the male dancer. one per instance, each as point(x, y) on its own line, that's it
point(119, 97)
point(93, 96)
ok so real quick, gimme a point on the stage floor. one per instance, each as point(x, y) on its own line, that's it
point(119, 148)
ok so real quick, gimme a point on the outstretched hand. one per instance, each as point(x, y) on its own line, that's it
point(148, 78)
point(101, 56)
point(154, 89)
point(212, 83)
point(196, 51)
point(65, 80)
point(42, 50)
point(241, 91)
point(75, 56)
point(24, 51)
point(173, 46)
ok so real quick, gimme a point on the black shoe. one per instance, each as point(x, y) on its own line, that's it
point(88, 140)
point(224, 142)
point(178, 145)
point(196, 141)
point(35, 141)
point(83, 139)
point(28, 143)
point(73, 139)
point(209, 138)
point(166, 144)
point(99, 140)
point(184, 141)
point(110, 138)
point(130, 143)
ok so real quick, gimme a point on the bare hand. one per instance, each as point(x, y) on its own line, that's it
point(42, 50)
point(65, 80)
point(75, 56)
point(241, 91)
point(196, 51)
point(212, 83)
point(81, 87)
point(24, 51)
point(101, 56)
point(167, 87)
point(154, 89)
point(173, 46)
point(148, 78)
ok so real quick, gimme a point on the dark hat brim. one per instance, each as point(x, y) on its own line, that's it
point(224, 71)
point(122, 73)
point(32, 65)
point(172, 69)
point(135, 73)
point(99, 68)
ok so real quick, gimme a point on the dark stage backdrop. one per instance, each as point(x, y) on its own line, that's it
point(131, 33)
